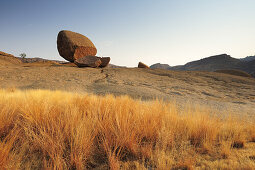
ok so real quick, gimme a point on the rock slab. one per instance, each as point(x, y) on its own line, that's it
point(88, 61)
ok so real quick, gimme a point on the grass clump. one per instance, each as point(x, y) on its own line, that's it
point(58, 130)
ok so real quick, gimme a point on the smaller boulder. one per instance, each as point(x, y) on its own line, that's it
point(88, 61)
point(142, 65)
point(105, 61)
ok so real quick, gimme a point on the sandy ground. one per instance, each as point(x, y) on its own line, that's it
point(219, 91)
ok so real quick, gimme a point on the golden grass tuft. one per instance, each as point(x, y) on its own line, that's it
point(42, 129)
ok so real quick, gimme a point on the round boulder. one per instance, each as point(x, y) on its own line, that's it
point(72, 46)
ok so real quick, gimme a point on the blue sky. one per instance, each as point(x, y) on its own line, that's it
point(166, 31)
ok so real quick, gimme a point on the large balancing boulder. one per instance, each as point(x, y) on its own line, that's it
point(72, 46)
point(88, 61)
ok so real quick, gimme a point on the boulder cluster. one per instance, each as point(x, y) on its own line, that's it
point(78, 49)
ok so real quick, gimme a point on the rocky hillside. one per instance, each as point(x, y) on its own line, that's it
point(216, 89)
point(248, 58)
point(8, 59)
point(217, 62)
point(160, 66)
point(212, 63)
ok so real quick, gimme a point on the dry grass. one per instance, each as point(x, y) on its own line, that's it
point(234, 72)
point(59, 130)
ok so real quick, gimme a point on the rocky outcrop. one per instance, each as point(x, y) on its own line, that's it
point(160, 66)
point(72, 46)
point(77, 48)
point(142, 65)
point(88, 61)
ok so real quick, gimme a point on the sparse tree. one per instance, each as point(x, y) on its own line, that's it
point(23, 55)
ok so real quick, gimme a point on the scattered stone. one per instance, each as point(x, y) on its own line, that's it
point(88, 61)
point(72, 46)
point(105, 61)
point(142, 65)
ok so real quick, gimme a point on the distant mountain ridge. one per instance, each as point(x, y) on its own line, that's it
point(212, 63)
point(6, 58)
point(37, 59)
point(161, 66)
point(217, 62)
point(248, 58)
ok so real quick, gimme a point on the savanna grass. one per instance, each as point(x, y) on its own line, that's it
point(42, 129)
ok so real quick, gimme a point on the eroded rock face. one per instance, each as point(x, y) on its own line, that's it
point(105, 61)
point(88, 61)
point(142, 65)
point(72, 46)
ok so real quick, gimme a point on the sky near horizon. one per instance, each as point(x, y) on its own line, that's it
point(172, 32)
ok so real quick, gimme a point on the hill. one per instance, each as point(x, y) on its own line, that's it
point(203, 88)
point(160, 66)
point(212, 63)
point(8, 59)
point(199, 120)
point(37, 59)
point(217, 62)
point(248, 58)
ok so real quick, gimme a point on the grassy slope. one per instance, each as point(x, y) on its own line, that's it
point(215, 89)
point(54, 129)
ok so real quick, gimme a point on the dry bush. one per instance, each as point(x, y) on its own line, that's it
point(58, 130)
